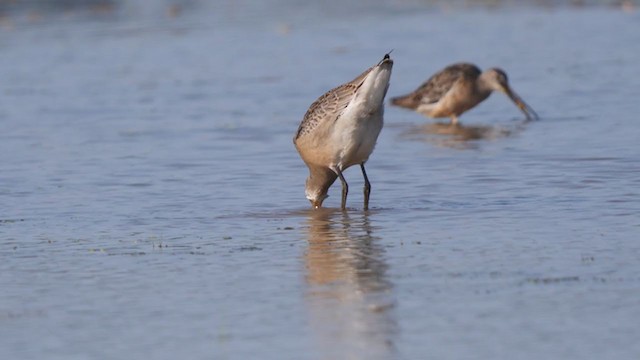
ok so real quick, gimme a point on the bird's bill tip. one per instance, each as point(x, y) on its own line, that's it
point(523, 106)
point(527, 110)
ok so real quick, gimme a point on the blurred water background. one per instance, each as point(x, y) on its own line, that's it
point(152, 202)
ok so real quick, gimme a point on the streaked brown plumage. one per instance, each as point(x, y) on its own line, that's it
point(340, 129)
point(458, 88)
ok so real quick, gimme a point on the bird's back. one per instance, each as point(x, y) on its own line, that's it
point(438, 85)
point(328, 107)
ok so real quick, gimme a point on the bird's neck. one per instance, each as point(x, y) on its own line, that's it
point(319, 181)
point(484, 85)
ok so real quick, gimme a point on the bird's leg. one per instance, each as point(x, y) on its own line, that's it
point(454, 120)
point(367, 187)
point(345, 187)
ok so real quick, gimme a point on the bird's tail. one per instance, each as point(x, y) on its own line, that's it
point(406, 101)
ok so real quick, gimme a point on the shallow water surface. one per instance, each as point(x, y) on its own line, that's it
point(152, 201)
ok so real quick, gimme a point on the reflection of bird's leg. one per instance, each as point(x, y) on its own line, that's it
point(345, 187)
point(366, 225)
point(367, 187)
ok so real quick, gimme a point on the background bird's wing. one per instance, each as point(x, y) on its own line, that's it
point(441, 82)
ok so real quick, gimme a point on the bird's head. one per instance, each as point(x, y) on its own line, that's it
point(497, 80)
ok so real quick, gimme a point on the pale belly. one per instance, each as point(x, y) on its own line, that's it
point(457, 101)
point(356, 140)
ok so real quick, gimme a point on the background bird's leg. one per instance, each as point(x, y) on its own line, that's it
point(367, 187)
point(345, 187)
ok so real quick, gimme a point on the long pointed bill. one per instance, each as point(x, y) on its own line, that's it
point(526, 109)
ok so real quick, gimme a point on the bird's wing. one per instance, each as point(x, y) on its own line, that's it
point(441, 82)
point(331, 105)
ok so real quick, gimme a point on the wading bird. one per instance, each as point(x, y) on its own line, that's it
point(340, 129)
point(458, 88)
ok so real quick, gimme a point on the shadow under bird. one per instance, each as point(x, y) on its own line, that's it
point(340, 129)
point(458, 88)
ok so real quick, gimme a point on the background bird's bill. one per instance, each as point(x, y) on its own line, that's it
point(526, 109)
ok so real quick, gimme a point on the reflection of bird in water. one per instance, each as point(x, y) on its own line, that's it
point(349, 296)
point(458, 88)
point(459, 136)
point(464, 132)
point(340, 129)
